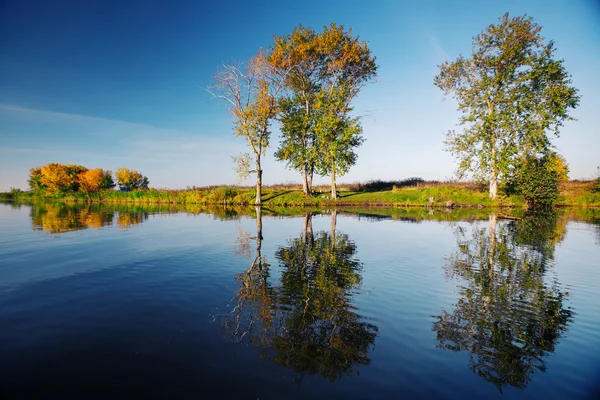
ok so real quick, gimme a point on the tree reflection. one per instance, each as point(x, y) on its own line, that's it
point(129, 219)
point(508, 317)
point(56, 218)
point(306, 321)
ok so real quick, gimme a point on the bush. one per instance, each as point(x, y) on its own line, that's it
point(538, 182)
point(596, 187)
point(222, 194)
point(379, 185)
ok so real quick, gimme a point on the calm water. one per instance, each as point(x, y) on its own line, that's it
point(109, 302)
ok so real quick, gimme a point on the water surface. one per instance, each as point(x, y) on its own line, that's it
point(165, 302)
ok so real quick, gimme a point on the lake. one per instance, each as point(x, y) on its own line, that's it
point(167, 302)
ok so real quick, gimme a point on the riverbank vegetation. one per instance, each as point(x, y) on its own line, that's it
point(412, 192)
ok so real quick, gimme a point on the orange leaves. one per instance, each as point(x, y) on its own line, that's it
point(91, 180)
point(58, 178)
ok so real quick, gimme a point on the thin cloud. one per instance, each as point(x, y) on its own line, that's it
point(437, 48)
point(32, 112)
point(58, 152)
point(138, 140)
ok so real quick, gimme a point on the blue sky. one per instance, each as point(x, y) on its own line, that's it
point(120, 83)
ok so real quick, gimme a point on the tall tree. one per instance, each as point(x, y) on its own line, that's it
point(250, 92)
point(326, 72)
point(348, 67)
point(297, 56)
point(512, 92)
point(337, 136)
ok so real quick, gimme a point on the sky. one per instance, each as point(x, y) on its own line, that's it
point(110, 84)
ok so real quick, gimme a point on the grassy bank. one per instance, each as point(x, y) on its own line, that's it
point(573, 193)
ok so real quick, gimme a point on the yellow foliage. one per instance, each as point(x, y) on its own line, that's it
point(558, 164)
point(131, 179)
point(58, 178)
point(90, 180)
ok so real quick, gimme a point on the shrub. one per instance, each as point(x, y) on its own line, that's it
point(538, 182)
point(596, 187)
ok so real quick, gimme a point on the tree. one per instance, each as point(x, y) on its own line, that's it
point(94, 180)
point(297, 56)
point(250, 92)
point(131, 179)
point(298, 143)
point(58, 178)
point(512, 93)
point(337, 136)
point(325, 72)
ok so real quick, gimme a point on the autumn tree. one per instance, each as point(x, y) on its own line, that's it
point(512, 93)
point(297, 56)
point(131, 179)
point(250, 90)
point(58, 178)
point(94, 180)
point(325, 72)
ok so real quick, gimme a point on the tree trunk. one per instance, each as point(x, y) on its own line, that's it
point(310, 179)
point(493, 185)
point(258, 182)
point(494, 172)
point(305, 185)
point(333, 187)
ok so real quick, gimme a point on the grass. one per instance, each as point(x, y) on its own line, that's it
point(413, 192)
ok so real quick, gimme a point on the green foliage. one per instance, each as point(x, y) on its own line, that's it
point(538, 182)
point(596, 187)
point(298, 145)
point(512, 93)
point(338, 134)
point(35, 180)
point(304, 320)
point(504, 289)
point(323, 73)
point(222, 194)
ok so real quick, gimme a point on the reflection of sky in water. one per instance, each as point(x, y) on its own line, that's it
point(179, 263)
